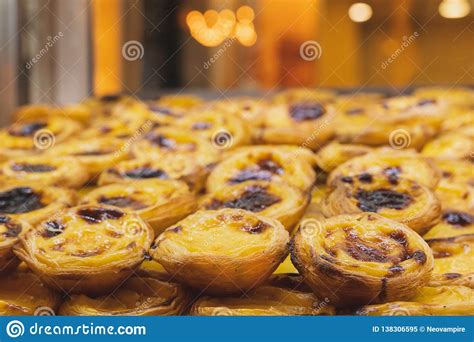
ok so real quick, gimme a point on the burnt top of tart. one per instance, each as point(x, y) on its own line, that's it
point(161, 140)
point(13, 229)
point(254, 198)
point(373, 201)
point(366, 251)
point(161, 110)
point(30, 168)
point(458, 218)
point(122, 202)
point(20, 200)
point(52, 228)
point(201, 125)
point(27, 129)
point(91, 153)
point(265, 170)
point(306, 111)
point(393, 174)
point(256, 228)
point(144, 172)
point(96, 215)
point(110, 98)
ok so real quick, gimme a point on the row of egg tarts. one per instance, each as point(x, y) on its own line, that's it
point(266, 162)
point(265, 166)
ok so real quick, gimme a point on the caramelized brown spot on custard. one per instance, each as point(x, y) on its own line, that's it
point(25, 167)
point(393, 174)
point(110, 98)
point(419, 257)
point(52, 228)
point(458, 218)
point(363, 251)
point(97, 215)
point(27, 129)
point(122, 202)
point(86, 254)
point(257, 228)
point(306, 111)
point(452, 275)
point(373, 201)
point(365, 177)
point(161, 141)
point(199, 126)
point(265, 170)
point(20, 200)
point(161, 110)
point(395, 270)
point(12, 229)
point(399, 237)
point(176, 229)
point(145, 172)
point(254, 198)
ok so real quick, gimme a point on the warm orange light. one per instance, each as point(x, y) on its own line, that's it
point(360, 12)
point(212, 27)
point(453, 9)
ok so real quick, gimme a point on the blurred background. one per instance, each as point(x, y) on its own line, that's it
point(61, 51)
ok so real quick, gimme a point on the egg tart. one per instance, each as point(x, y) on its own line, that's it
point(282, 296)
point(361, 258)
point(23, 294)
point(454, 96)
point(457, 144)
point(140, 295)
point(10, 231)
point(263, 163)
point(222, 252)
point(89, 249)
point(161, 203)
point(410, 109)
point(34, 136)
point(247, 108)
point(131, 127)
point(308, 124)
point(77, 112)
point(305, 94)
point(33, 203)
point(390, 163)
point(222, 130)
point(166, 141)
point(44, 171)
point(458, 118)
point(360, 128)
point(335, 153)
point(402, 200)
point(178, 167)
point(276, 200)
point(95, 154)
point(453, 223)
point(453, 261)
point(429, 301)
